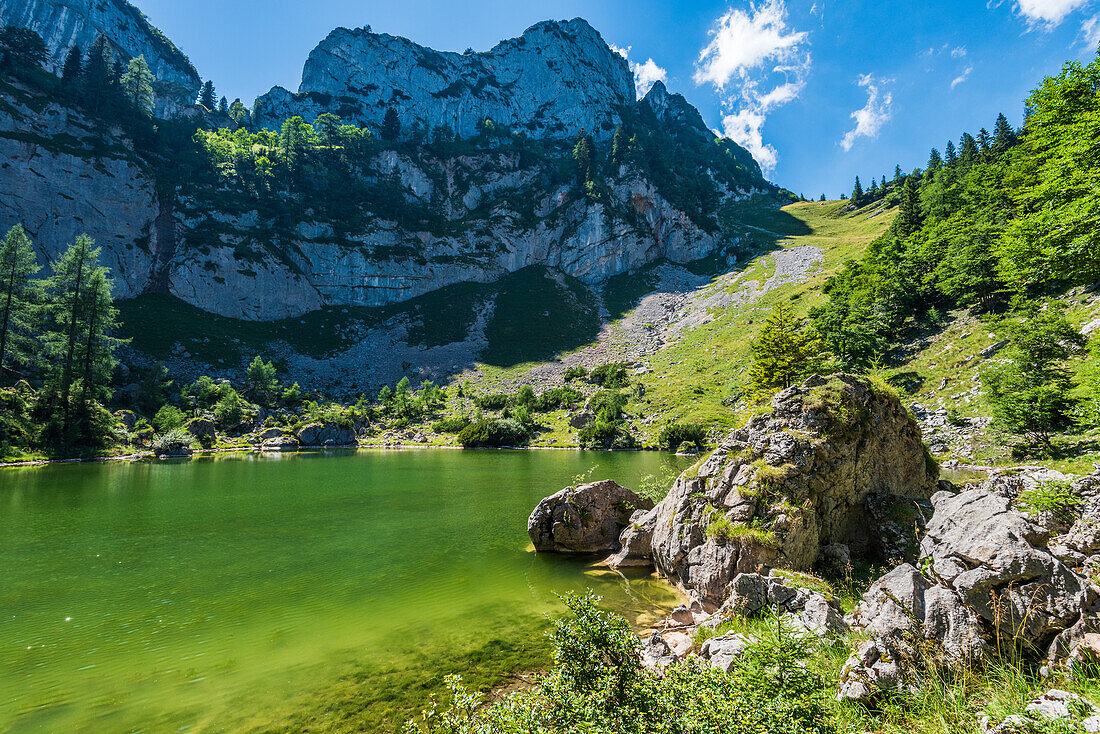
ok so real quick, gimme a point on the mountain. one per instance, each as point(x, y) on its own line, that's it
point(220, 213)
point(555, 79)
point(67, 23)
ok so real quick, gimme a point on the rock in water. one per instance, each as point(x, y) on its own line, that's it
point(326, 434)
point(790, 483)
point(584, 519)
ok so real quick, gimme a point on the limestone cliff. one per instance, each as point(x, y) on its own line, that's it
point(555, 79)
point(67, 23)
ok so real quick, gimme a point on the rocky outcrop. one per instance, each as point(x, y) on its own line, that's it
point(326, 434)
point(790, 483)
point(202, 429)
point(555, 79)
point(988, 578)
point(585, 519)
point(67, 23)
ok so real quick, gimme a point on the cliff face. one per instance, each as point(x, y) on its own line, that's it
point(555, 79)
point(67, 23)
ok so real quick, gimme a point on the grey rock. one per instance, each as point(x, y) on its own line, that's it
point(1058, 705)
point(656, 653)
point(127, 418)
point(273, 432)
point(280, 443)
point(326, 434)
point(876, 666)
point(635, 541)
point(581, 418)
point(819, 617)
point(722, 652)
point(585, 519)
point(202, 429)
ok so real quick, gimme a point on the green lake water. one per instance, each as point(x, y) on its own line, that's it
point(309, 592)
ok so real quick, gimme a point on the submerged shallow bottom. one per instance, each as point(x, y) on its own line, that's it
point(316, 592)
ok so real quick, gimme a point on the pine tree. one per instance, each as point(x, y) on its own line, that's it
point(872, 192)
point(137, 85)
point(786, 351)
point(968, 149)
point(882, 186)
point(582, 156)
point(97, 77)
point(98, 357)
point(984, 143)
point(823, 197)
point(909, 217)
point(73, 68)
point(950, 154)
point(21, 49)
point(857, 193)
point(223, 106)
point(17, 297)
point(207, 97)
point(291, 142)
point(1004, 137)
point(391, 125)
point(619, 145)
point(897, 173)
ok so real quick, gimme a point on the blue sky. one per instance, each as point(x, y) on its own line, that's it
point(818, 91)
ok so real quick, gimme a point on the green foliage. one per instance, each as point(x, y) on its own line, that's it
point(575, 373)
point(137, 85)
point(609, 375)
point(391, 125)
point(785, 351)
point(453, 424)
point(1057, 498)
point(260, 383)
point(1032, 393)
point(675, 434)
point(493, 432)
point(168, 418)
point(21, 49)
point(556, 398)
point(606, 434)
point(18, 298)
point(172, 442)
point(231, 410)
point(493, 401)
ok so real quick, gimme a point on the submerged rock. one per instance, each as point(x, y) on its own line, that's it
point(585, 519)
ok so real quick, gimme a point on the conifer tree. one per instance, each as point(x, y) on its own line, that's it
point(897, 173)
point(582, 156)
point(882, 186)
point(968, 149)
point(137, 85)
point(239, 113)
point(950, 155)
point(17, 297)
point(97, 77)
point(223, 106)
point(786, 351)
point(909, 217)
point(207, 97)
point(823, 197)
point(1004, 137)
point(391, 125)
point(291, 142)
point(21, 49)
point(984, 143)
point(73, 68)
point(619, 145)
point(857, 193)
point(872, 192)
point(935, 162)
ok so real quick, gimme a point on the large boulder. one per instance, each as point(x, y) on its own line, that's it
point(202, 429)
point(792, 482)
point(326, 434)
point(584, 519)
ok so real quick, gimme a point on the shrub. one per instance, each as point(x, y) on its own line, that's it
point(172, 442)
point(575, 373)
point(1057, 498)
point(450, 425)
point(493, 432)
point(674, 434)
point(610, 375)
point(608, 405)
point(525, 396)
point(167, 418)
point(231, 410)
point(555, 398)
point(493, 401)
point(603, 434)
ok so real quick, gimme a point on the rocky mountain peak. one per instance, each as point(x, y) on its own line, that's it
point(674, 108)
point(67, 23)
point(556, 78)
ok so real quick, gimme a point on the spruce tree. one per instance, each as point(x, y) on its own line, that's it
point(968, 149)
point(223, 106)
point(857, 193)
point(618, 145)
point(786, 351)
point(935, 162)
point(96, 87)
point(1004, 137)
point(582, 156)
point(137, 85)
point(207, 97)
point(73, 68)
point(292, 141)
point(984, 143)
point(98, 348)
point(872, 192)
point(21, 49)
point(391, 125)
point(17, 297)
point(882, 186)
point(909, 217)
point(950, 154)
point(897, 173)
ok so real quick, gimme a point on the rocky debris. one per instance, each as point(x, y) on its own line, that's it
point(1083, 537)
point(944, 431)
point(790, 483)
point(986, 573)
point(280, 443)
point(721, 652)
point(803, 609)
point(656, 653)
point(63, 24)
point(581, 418)
point(1054, 705)
point(273, 432)
point(326, 434)
point(588, 518)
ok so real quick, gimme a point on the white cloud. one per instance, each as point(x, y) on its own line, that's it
point(876, 113)
point(1090, 32)
point(645, 75)
point(962, 77)
point(1049, 12)
point(958, 52)
point(765, 63)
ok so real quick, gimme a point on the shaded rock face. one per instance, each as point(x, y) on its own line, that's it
point(555, 79)
point(67, 23)
point(790, 483)
point(584, 519)
point(326, 434)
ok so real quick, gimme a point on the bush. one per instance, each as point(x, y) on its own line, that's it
point(525, 396)
point(494, 401)
point(167, 418)
point(450, 425)
point(575, 373)
point(555, 398)
point(675, 434)
point(608, 405)
point(610, 375)
point(1057, 498)
point(601, 434)
point(172, 442)
point(493, 432)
